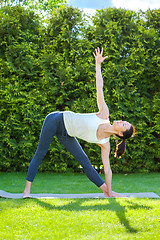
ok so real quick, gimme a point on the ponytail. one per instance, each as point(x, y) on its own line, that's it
point(121, 147)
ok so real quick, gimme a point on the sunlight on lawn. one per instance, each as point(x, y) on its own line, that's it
point(79, 219)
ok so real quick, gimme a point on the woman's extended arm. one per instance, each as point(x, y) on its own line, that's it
point(105, 150)
point(102, 106)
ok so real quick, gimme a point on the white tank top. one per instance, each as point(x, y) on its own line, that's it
point(84, 126)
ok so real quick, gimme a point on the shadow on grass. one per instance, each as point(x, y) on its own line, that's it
point(76, 205)
point(120, 212)
point(113, 205)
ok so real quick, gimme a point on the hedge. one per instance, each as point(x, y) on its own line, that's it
point(46, 68)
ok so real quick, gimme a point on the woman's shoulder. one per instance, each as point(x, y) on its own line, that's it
point(103, 116)
point(105, 146)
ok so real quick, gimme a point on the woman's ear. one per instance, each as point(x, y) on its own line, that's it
point(120, 134)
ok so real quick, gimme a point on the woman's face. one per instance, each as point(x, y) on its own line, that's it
point(121, 126)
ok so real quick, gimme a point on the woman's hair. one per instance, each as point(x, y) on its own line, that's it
point(121, 147)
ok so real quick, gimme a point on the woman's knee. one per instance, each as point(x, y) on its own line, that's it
point(39, 155)
point(86, 164)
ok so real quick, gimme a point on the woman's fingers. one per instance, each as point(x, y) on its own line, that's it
point(97, 50)
point(105, 57)
point(97, 53)
point(102, 51)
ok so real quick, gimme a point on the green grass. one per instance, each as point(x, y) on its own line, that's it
point(79, 219)
point(79, 183)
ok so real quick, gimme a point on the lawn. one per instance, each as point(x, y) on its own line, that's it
point(79, 219)
point(79, 183)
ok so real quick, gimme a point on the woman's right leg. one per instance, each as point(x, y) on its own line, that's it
point(73, 146)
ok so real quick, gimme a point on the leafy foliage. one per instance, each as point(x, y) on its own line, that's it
point(51, 68)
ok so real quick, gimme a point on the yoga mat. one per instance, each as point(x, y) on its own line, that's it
point(85, 195)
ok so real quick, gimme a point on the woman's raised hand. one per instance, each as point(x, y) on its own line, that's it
point(98, 55)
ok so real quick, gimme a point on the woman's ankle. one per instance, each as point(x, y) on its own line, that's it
point(27, 189)
point(104, 189)
point(26, 195)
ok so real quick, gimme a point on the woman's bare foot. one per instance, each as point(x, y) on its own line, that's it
point(114, 194)
point(27, 195)
point(27, 190)
point(104, 190)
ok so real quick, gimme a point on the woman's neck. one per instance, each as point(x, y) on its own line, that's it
point(105, 131)
point(109, 130)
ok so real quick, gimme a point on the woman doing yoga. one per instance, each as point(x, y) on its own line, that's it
point(91, 127)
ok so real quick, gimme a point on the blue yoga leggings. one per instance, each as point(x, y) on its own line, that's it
point(54, 126)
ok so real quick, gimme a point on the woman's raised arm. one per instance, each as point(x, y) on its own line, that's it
point(102, 106)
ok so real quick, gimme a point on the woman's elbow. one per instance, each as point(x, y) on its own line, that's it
point(107, 171)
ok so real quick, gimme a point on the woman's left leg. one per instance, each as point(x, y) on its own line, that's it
point(49, 130)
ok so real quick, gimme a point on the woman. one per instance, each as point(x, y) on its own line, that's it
point(94, 128)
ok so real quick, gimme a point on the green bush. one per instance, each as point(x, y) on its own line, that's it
point(51, 68)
